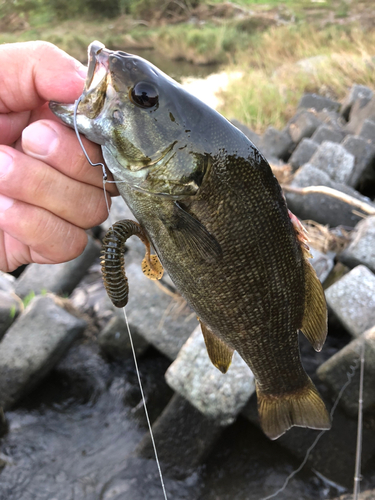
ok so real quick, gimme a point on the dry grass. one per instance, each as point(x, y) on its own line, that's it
point(286, 62)
point(324, 239)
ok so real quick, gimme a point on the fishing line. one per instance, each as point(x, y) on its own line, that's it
point(357, 474)
point(125, 316)
point(350, 374)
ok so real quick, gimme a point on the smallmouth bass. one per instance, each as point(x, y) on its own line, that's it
point(215, 214)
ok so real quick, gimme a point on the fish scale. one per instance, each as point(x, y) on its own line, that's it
point(215, 214)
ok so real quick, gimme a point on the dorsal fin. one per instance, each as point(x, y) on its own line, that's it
point(314, 323)
point(219, 353)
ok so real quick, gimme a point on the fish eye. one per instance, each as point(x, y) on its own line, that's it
point(144, 95)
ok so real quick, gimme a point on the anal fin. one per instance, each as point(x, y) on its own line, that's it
point(219, 353)
point(302, 408)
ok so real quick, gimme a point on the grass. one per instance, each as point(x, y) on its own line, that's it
point(268, 55)
point(287, 62)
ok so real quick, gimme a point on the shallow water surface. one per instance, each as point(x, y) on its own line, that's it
point(74, 438)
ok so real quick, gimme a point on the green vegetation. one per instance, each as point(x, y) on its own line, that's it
point(283, 49)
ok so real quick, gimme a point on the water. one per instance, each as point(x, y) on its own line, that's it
point(74, 438)
point(175, 69)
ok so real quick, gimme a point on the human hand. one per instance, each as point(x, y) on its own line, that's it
point(49, 194)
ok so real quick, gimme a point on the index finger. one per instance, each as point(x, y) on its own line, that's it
point(36, 72)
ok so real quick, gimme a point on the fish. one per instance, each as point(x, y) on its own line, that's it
point(208, 202)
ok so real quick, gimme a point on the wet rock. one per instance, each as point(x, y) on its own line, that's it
point(368, 131)
point(364, 160)
point(85, 371)
point(303, 152)
point(352, 300)
point(362, 247)
point(7, 282)
point(339, 441)
point(10, 307)
point(114, 340)
point(157, 314)
point(333, 159)
point(323, 263)
point(326, 133)
point(253, 136)
point(361, 110)
point(276, 144)
point(318, 102)
point(321, 207)
point(218, 396)
point(334, 373)
point(33, 345)
point(357, 93)
point(57, 278)
point(184, 437)
point(302, 125)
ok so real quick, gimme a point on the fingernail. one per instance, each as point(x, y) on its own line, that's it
point(81, 70)
point(39, 139)
point(6, 162)
point(5, 203)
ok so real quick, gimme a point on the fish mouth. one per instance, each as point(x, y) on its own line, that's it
point(98, 65)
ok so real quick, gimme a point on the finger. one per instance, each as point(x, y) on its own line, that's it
point(36, 72)
point(14, 253)
point(31, 181)
point(11, 125)
point(46, 235)
point(57, 145)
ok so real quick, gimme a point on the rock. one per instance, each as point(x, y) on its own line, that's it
point(10, 308)
point(303, 124)
point(364, 161)
point(218, 396)
point(368, 131)
point(33, 345)
point(334, 373)
point(85, 371)
point(362, 247)
point(326, 133)
point(184, 437)
point(361, 110)
point(323, 263)
point(357, 93)
point(114, 340)
point(276, 144)
point(318, 102)
point(57, 278)
point(303, 152)
point(333, 159)
point(321, 207)
point(158, 315)
point(7, 282)
point(339, 441)
point(352, 300)
point(253, 136)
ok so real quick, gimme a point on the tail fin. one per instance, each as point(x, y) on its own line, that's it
point(304, 408)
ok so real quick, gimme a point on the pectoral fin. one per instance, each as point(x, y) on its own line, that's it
point(218, 351)
point(314, 323)
point(191, 236)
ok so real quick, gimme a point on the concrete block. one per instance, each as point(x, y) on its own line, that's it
point(362, 247)
point(335, 160)
point(352, 300)
point(218, 396)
